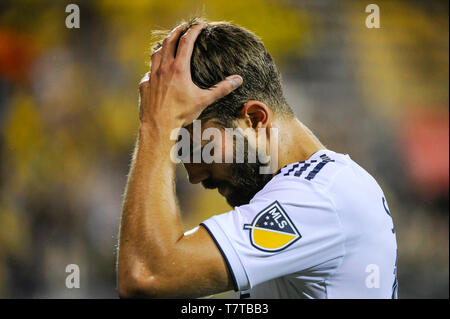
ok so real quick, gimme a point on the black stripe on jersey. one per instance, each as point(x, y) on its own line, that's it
point(292, 168)
point(301, 170)
point(298, 172)
point(313, 173)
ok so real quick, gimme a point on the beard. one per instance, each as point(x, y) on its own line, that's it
point(245, 180)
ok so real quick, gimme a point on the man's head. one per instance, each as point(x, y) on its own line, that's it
point(223, 49)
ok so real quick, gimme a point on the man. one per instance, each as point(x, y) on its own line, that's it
point(318, 226)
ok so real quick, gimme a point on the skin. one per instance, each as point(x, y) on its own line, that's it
point(156, 259)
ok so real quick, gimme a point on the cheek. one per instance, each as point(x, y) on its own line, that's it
point(227, 149)
point(223, 148)
point(219, 151)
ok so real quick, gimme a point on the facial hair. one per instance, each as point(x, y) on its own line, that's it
point(245, 180)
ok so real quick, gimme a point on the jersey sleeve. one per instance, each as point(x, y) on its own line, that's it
point(287, 228)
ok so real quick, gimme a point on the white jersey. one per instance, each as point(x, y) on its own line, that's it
point(318, 229)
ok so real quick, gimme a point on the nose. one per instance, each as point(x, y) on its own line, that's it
point(196, 173)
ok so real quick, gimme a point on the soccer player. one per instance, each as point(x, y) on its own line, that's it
point(317, 227)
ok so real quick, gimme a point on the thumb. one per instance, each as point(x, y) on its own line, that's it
point(223, 88)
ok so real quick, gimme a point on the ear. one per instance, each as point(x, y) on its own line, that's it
point(257, 114)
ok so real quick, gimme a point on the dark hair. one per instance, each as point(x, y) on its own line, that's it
point(224, 49)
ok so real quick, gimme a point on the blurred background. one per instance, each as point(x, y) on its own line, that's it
point(69, 118)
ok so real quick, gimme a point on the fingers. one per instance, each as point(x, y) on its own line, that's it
point(144, 85)
point(165, 55)
point(169, 44)
point(186, 44)
point(155, 61)
point(221, 89)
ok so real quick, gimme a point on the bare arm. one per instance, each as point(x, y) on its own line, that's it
point(155, 258)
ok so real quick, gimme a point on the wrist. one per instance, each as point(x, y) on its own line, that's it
point(157, 137)
point(156, 130)
point(162, 124)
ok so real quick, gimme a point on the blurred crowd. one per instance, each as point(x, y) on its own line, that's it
point(69, 118)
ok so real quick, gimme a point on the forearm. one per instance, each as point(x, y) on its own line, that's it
point(150, 225)
point(154, 256)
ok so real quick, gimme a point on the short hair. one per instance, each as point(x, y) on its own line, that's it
point(223, 49)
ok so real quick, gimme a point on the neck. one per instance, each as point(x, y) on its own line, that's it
point(296, 142)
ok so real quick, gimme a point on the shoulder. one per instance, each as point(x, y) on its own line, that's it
point(306, 180)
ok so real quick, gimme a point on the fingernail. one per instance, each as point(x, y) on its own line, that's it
point(145, 78)
point(235, 80)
